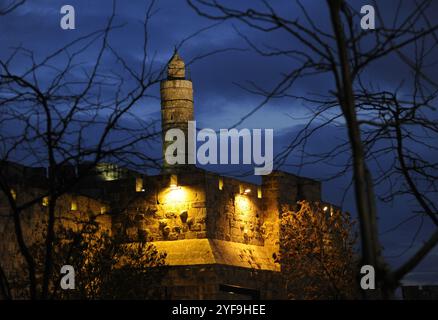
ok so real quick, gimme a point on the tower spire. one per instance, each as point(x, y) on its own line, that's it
point(176, 105)
point(176, 68)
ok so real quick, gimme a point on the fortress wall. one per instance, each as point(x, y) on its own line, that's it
point(242, 230)
point(163, 213)
point(34, 226)
point(281, 191)
point(204, 282)
point(233, 216)
point(196, 209)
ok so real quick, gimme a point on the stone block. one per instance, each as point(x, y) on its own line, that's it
point(196, 227)
point(199, 204)
point(184, 216)
point(201, 234)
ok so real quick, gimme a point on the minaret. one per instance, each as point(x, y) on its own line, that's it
point(176, 105)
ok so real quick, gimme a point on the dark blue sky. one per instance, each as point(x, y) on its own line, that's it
point(219, 102)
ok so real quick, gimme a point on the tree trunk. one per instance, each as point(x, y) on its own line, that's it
point(362, 184)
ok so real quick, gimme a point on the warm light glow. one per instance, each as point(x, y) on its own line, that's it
point(45, 202)
point(74, 205)
point(139, 185)
point(14, 194)
point(102, 210)
point(243, 203)
point(243, 190)
point(221, 183)
point(325, 208)
point(109, 172)
point(176, 194)
point(259, 192)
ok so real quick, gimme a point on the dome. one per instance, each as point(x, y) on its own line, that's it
point(176, 67)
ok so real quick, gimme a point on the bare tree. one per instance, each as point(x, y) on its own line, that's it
point(55, 114)
point(369, 115)
point(74, 108)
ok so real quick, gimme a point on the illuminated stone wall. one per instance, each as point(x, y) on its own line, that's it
point(162, 212)
point(71, 211)
point(204, 282)
point(218, 227)
point(234, 215)
point(195, 209)
point(205, 205)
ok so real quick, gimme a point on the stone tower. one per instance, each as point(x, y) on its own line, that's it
point(176, 105)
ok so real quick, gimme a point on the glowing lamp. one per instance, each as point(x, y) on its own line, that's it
point(243, 204)
point(175, 195)
point(243, 190)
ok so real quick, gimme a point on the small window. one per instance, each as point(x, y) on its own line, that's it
point(173, 181)
point(139, 185)
point(259, 192)
point(221, 183)
point(45, 201)
point(74, 205)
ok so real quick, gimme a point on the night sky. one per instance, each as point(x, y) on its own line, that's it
point(219, 100)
